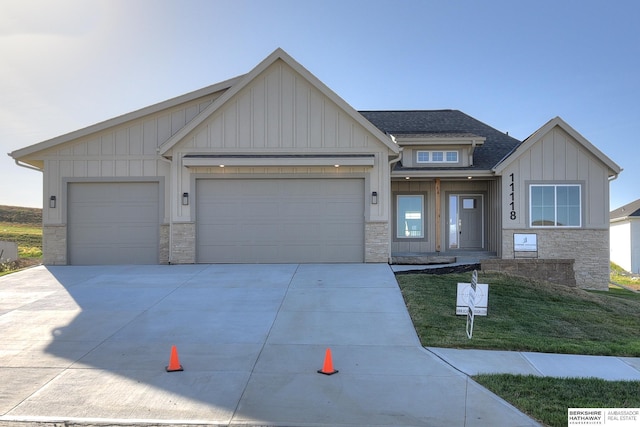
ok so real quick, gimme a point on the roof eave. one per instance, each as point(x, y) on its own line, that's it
point(209, 90)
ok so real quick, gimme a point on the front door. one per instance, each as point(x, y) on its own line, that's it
point(466, 221)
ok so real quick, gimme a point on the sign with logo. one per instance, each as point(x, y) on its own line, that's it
point(525, 242)
point(480, 302)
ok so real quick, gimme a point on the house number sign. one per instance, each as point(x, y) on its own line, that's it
point(512, 214)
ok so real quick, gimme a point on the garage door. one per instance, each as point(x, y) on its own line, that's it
point(280, 220)
point(113, 223)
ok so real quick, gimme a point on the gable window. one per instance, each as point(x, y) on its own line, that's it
point(437, 156)
point(555, 205)
point(410, 217)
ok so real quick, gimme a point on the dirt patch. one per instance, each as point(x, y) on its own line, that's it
point(19, 264)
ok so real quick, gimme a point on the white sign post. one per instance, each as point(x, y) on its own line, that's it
point(472, 303)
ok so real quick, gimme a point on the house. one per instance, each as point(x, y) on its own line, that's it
point(274, 167)
point(625, 236)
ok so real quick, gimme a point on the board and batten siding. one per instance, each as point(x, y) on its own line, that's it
point(427, 189)
point(124, 151)
point(281, 112)
point(555, 159)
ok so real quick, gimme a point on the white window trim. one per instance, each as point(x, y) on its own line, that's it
point(444, 156)
point(555, 202)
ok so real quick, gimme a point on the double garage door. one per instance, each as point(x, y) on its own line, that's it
point(237, 221)
point(279, 220)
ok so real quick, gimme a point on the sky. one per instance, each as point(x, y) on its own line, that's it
point(512, 64)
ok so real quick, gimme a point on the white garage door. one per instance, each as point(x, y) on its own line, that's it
point(280, 220)
point(113, 223)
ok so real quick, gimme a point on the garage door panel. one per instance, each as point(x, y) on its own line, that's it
point(113, 223)
point(280, 220)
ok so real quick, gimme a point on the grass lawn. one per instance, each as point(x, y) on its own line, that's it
point(624, 278)
point(525, 316)
point(529, 316)
point(547, 399)
point(29, 240)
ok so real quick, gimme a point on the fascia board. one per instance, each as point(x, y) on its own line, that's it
point(98, 127)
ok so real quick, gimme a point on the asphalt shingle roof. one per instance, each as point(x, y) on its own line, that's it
point(629, 210)
point(447, 122)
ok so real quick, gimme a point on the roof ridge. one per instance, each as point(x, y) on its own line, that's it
point(407, 111)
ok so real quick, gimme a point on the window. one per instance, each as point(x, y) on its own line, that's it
point(423, 157)
point(555, 206)
point(410, 217)
point(437, 157)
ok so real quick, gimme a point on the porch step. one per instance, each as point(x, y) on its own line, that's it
point(422, 259)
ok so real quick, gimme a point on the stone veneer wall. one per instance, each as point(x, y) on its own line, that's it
point(558, 271)
point(165, 241)
point(54, 245)
point(589, 248)
point(376, 242)
point(183, 243)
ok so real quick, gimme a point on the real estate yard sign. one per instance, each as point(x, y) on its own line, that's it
point(472, 300)
point(480, 302)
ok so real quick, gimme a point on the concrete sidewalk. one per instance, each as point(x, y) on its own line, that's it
point(89, 345)
point(473, 362)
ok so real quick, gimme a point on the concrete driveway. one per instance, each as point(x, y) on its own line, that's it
point(90, 345)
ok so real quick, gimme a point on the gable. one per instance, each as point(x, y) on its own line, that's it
point(557, 151)
point(558, 154)
point(279, 111)
point(279, 107)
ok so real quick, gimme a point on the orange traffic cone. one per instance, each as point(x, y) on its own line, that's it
point(327, 369)
point(174, 362)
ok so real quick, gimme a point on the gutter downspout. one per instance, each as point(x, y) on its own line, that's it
point(392, 163)
point(473, 148)
point(170, 258)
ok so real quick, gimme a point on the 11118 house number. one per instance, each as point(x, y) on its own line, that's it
point(512, 214)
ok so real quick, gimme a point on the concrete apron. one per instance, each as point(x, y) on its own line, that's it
point(90, 345)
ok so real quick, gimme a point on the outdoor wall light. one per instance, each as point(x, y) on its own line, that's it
point(52, 202)
point(374, 197)
point(185, 199)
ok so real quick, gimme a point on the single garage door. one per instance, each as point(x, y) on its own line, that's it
point(113, 223)
point(280, 220)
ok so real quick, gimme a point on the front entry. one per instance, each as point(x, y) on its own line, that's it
point(466, 221)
